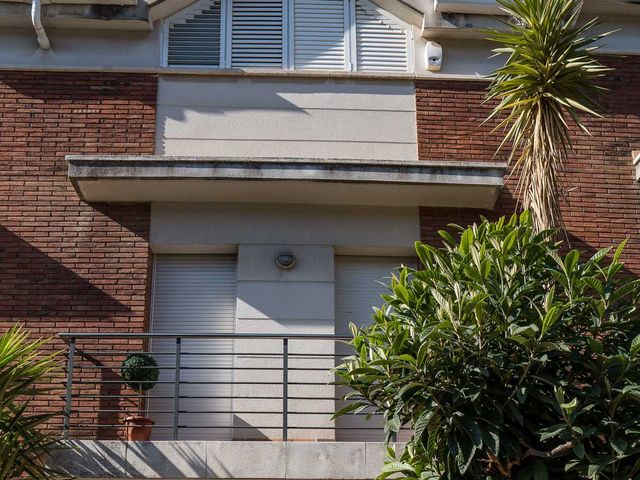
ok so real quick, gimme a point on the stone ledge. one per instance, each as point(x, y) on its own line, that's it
point(221, 460)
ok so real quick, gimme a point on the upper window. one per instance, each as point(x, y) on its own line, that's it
point(288, 34)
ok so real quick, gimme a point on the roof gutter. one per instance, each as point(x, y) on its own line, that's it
point(36, 19)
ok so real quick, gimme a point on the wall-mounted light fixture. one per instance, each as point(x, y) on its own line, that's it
point(285, 261)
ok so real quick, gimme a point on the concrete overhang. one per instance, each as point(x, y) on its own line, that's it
point(285, 180)
point(460, 26)
point(470, 19)
point(485, 7)
point(491, 7)
point(75, 15)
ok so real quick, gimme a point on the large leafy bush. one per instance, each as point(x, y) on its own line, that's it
point(507, 359)
point(25, 378)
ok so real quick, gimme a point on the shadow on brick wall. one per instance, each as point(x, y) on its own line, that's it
point(33, 284)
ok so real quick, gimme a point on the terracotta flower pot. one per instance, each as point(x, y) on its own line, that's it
point(138, 428)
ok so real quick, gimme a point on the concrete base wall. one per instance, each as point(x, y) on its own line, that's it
point(222, 460)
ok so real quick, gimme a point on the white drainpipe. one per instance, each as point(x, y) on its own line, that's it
point(36, 19)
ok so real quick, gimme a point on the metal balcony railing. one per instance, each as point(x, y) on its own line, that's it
point(215, 386)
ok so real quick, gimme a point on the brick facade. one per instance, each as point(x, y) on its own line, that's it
point(602, 200)
point(69, 266)
point(66, 265)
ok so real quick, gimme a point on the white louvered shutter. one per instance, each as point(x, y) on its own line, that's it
point(319, 34)
point(194, 36)
point(257, 34)
point(194, 294)
point(381, 44)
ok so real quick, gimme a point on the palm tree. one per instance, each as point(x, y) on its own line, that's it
point(25, 374)
point(546, 82)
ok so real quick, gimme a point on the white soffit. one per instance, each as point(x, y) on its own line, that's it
point(297, 181)
point(491, 7)
point(486, 7)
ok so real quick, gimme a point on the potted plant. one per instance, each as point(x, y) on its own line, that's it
point(140, 372)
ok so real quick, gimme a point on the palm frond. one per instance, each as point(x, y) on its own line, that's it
point(25, 374)
point(547, 82)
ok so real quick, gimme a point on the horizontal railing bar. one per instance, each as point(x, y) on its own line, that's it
point(184, 382)
point(269, 412)
point(226, 427)
point(275, 369)
point(272, 369)
point(90, 396)
point(300, 356)
point(187, 382)
point(224, 397)
point(291, 397)
point(232, 336)
point(247, 412)
point(121, 425)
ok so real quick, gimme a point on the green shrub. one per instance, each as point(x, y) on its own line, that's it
point(25, 377)
point(140, 371)
point(507, 360)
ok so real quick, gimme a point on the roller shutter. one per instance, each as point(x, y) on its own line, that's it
point(194, 294)
point(359, 283)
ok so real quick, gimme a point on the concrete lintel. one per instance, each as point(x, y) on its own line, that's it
point(285, 180)
point(222, 460)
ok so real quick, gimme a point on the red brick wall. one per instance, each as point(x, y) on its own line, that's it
point(66, 265)
point(602, 204)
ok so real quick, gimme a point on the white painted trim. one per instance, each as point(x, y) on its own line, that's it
point(411, 54)
point(164, 43)
point(348, 47)
point(152, 294)
point(228, 28)
point(353, 37)
point(224, 9)
point(287, 34)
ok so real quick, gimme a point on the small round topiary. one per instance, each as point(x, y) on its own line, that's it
point(140, 371)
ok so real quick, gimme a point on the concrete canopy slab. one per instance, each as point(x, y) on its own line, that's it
point(286, 180)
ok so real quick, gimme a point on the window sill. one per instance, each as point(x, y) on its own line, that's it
point(233, 72)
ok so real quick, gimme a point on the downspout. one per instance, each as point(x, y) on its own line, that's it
point(36, 19)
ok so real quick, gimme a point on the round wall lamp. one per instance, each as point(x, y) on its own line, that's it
point(285, 261)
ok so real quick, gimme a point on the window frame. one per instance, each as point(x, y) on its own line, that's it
point(288, 37)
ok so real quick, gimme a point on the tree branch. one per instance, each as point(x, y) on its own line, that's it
point(556, 452)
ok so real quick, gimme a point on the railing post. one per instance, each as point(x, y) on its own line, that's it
point(67, 406)
point(285, 389)
point(176, 389)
